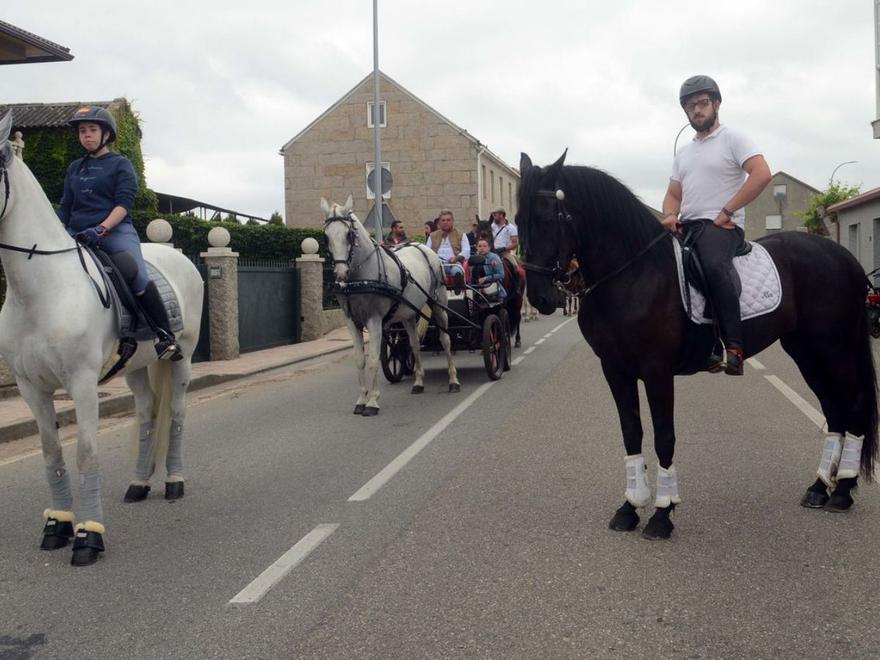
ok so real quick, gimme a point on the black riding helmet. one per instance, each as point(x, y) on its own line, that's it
point(696, 85)
point(92, 114)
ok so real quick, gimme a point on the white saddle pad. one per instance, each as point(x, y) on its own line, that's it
point(761, 288)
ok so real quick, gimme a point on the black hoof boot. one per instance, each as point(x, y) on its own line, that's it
point(56, 534)
point(517, 343)
point(659, 527)
point(454, 387)
point(359, 409)
point(370, 411)
point(816, 496)
point(86, 548)
point(840, 499)
point(173, 490)
point(417, 389)
point(625, 519)
point(136, 494)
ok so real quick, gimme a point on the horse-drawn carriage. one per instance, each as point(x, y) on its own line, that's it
point(478, 321)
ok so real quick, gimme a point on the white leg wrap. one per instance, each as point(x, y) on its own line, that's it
point(638, 491)
point(830, 459)
point(850, 457)
point(667, 487)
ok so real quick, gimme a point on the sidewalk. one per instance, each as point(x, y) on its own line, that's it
point(17, 422)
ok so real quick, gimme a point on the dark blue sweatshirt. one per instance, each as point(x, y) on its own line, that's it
point(95, 186)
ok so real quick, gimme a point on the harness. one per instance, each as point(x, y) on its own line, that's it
point(560, 273)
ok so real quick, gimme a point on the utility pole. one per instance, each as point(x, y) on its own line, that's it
point(876, 122)
point(377, 166)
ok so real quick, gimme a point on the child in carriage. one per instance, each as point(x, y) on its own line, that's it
point(486, 267)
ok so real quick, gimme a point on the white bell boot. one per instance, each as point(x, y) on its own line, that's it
point(850, 457)
point(638, 491)
point(667, 488)
point(830, 461)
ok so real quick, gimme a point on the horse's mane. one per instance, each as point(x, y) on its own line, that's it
point(600, 206)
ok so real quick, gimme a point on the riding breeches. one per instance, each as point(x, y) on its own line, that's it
point(716, 247)
point(124, 238)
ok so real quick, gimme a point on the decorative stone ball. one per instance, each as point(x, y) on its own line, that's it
point(159, 231)
point(560, 195)
point(219, 237)
point(309, 246)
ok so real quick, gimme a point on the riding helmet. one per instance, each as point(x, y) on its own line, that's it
point(95, 115)
point(696, 85)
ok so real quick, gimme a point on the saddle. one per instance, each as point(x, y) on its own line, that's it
point(132, 324)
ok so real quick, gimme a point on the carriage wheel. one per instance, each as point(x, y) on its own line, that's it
point(494, 347)
point(395, 355)
point(508, 352)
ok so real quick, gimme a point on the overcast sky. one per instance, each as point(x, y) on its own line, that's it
point(220, 86)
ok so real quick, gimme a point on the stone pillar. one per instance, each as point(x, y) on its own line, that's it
point(311, 287)
point(222, 281)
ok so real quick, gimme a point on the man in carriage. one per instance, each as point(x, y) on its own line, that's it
point(453, 248)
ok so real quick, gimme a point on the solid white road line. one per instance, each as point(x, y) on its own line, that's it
point(528, 350)
point(283, 565)
point(815, 416)
point(368, 489)
point(755, 364)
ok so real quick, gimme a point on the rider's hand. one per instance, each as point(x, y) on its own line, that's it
point(724, 222)
point(92, 236)
point(670, 223)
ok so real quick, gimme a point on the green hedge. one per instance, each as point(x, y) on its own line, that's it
point(250, 241)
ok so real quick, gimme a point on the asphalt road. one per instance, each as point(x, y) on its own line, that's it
point(490, 542)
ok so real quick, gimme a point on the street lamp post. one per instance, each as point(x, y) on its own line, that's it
point(834, 171)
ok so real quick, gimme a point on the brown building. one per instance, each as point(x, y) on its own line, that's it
point(434, 163)
point(776, 208)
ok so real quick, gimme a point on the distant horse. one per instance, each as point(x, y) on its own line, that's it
point(514, 282)
point(376, 288)
point(56, 333)
point(634, 319)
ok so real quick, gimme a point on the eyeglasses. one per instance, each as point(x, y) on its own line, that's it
point(702, 104)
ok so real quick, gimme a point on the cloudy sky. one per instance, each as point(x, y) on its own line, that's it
point(221, 86)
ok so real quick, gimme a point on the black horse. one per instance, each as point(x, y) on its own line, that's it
point(514, 282)
point(634, 320)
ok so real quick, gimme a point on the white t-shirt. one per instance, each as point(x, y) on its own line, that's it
point(710, 173)
point(445, 251)
point(502, 236)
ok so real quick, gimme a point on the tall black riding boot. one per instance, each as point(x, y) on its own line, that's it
point(151, 302)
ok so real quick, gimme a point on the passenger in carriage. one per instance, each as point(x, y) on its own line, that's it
point(397, 235)
point(452, 247)
point(99, 191)
point(489, 269)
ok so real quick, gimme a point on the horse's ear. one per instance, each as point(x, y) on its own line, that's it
point(325, 206)
point(555, 168)
point(525, 163)
point(561, 160)
point(349, 203)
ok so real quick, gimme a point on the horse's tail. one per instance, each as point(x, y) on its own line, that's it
point(160, 383)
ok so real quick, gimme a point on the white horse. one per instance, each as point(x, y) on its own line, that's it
point(55, 333)
point(414, 273)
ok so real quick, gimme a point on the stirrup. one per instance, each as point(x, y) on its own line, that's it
point(717, 361)
point(167, 349)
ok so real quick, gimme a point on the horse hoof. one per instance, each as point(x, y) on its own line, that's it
point(814, 500)
point(417, 389)
point(173, 490)
point(658, 528)
point(625, 519)
point(86, 548)
point(370, 411)
point(454, 387)
point(359, 409)
point(839, 502)
point(517, 343)
point(56, 534)
point(136, 494)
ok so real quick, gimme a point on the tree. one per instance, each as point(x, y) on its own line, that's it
point(819, 203)
point(276, 219)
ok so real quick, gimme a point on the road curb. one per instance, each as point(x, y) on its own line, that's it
point(121, 403)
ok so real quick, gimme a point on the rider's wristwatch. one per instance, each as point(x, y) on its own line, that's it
point(727, 212)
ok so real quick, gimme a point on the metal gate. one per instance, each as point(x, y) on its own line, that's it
point(268, 304)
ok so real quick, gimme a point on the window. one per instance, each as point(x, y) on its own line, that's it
point(386, 180)
point(779, 190)
point(492, 177)
point(510, 195)
point(773, 222)
point(370, 112)
point(500, 190)
point(853, 243)
point(483, 181)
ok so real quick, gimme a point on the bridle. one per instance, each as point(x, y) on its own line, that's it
point(352, 236)
point(564, 221)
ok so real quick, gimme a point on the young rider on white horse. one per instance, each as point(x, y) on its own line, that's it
point(99, 191)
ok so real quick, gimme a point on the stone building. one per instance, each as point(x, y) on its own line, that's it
point(858, 225)
point(434, 163)
point(776, 208)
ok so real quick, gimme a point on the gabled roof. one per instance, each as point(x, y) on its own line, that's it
point(412, 96)
point(52, 115)
point(858, 200)
point(19, 46)
point(806, 185)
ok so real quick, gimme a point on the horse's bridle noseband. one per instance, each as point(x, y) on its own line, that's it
point(352, 236)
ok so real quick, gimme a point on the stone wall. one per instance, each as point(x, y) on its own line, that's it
point(797, 199)
point(433, 164)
